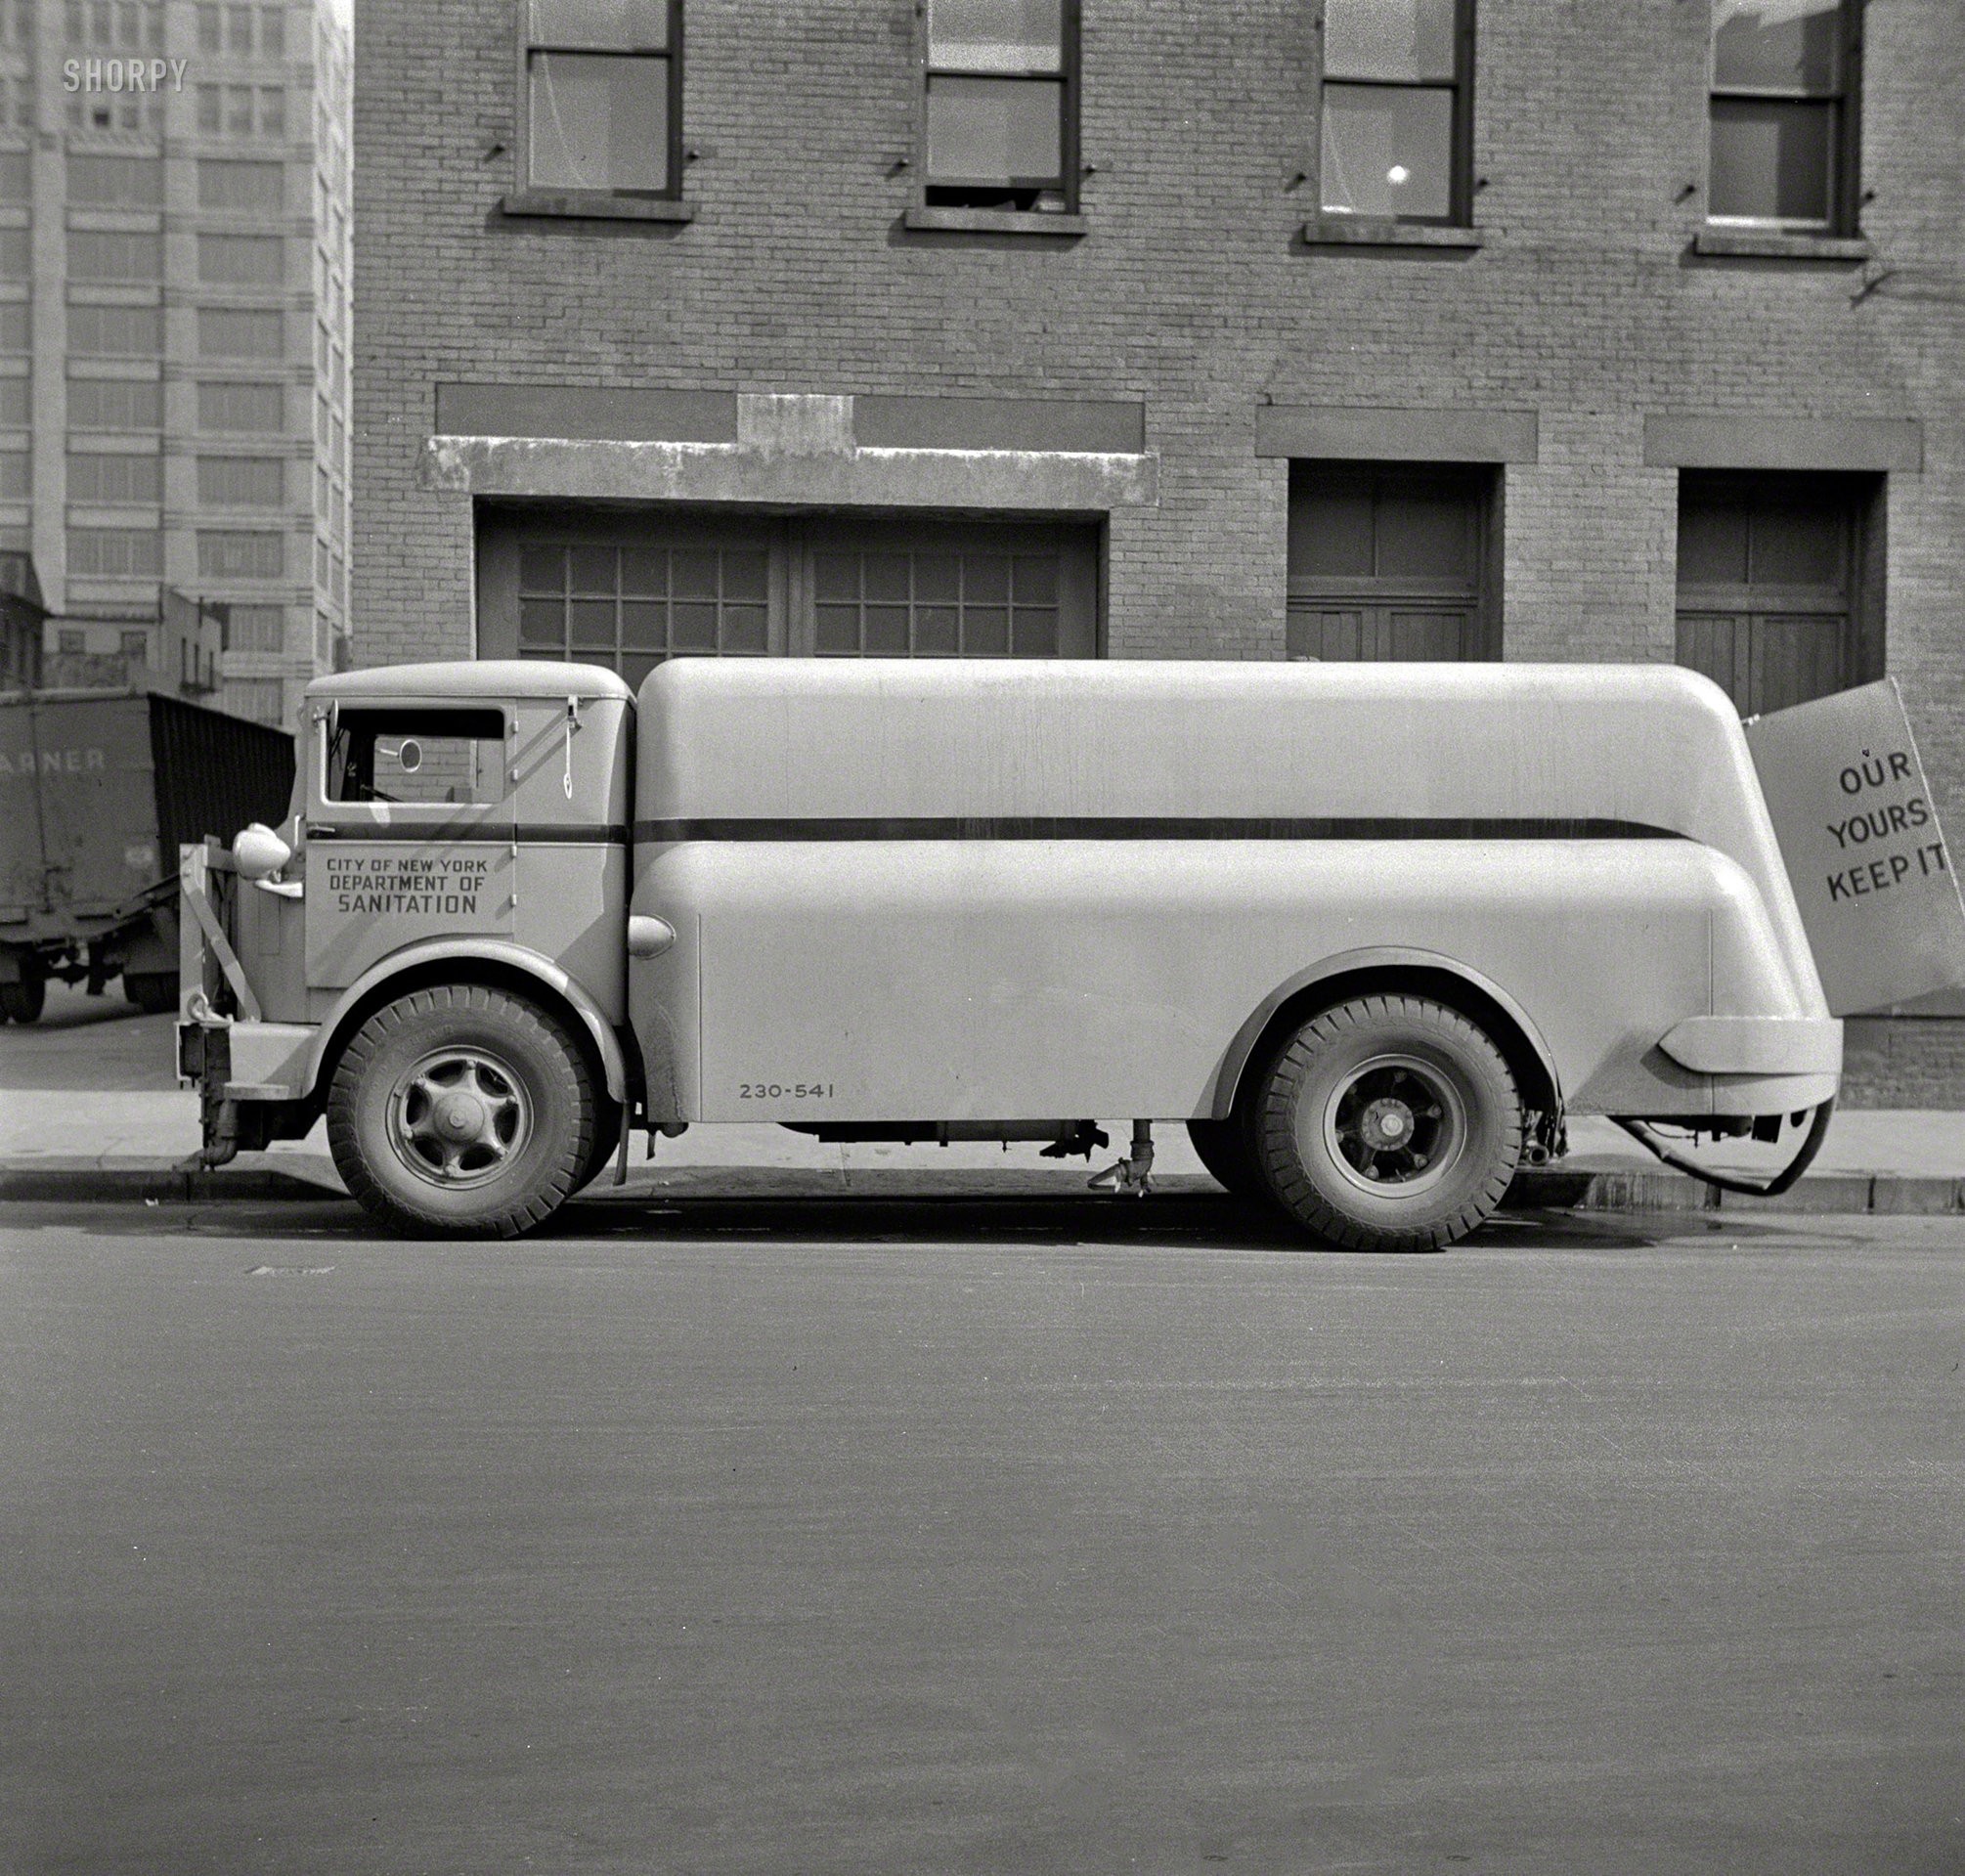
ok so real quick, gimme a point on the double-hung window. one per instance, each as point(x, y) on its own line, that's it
point(1397, 130)
point(603, 97)
point(1784, 115)
point(1002, 105)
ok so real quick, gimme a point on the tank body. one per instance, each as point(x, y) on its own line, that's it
point(978, 892)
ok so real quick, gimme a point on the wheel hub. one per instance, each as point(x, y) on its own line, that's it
point(459, 1118)
point(1395, 1125)
point(1386, 1124)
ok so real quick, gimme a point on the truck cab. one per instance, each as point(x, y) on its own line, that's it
point(458, 830)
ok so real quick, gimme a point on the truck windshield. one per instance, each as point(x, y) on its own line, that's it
point(421, 755)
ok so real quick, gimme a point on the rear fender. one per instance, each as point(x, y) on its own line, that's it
point(1383, 963)
point(500, 951)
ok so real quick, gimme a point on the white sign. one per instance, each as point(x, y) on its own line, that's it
point(1871, 871)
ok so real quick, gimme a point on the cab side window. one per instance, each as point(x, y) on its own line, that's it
point(424, 756)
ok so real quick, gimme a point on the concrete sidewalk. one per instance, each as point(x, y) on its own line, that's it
point(89, 1109)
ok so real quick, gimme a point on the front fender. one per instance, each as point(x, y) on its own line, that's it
point(455, 950)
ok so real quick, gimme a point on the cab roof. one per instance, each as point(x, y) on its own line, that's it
point(476, 679)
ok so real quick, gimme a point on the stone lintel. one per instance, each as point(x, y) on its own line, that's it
point(566, 468)
point(1689, 440)
point(1356, 434)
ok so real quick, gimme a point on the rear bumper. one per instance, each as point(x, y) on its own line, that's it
point(1756, 1044)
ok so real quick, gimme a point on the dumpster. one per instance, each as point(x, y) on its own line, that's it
point(97, 790)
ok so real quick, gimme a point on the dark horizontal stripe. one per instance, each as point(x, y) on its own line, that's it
point(1149, 827)
point(484, 833)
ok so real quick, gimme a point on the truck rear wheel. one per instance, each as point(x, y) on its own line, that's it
point(1224, 1147)
point(22, 999)
point(1389, 1124)
point(461, 1111)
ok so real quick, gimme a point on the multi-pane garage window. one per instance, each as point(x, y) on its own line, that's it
point(1784, 116)
point(1397, 109)
point(629, 607)
point(927, 604)
point(1002, 104)
point(603, 95)
point(631, 591)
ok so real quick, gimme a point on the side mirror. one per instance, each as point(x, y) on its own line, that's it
point(259, 852)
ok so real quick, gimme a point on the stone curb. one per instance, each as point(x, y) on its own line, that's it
point(1547, 1190)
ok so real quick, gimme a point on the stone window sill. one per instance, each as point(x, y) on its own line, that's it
point(1772, 243)
point(596, 205)
point(1363, 230)
point(994, 221)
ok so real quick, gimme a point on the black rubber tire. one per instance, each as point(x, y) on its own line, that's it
point(151, 991)
point(375, 1087)
point(1224, 1147)
point(606, 1137)
point(23, 1001)
point(1310, 1118)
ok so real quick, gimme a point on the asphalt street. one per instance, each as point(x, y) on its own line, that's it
point(982, 1536)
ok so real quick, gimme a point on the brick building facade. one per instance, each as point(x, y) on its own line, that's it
point(1108, 329)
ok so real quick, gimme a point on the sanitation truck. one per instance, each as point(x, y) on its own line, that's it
point(98, 791)
point(1370, 933)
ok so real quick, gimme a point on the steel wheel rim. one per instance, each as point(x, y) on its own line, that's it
point(1395, 1125)
point(459, 1118)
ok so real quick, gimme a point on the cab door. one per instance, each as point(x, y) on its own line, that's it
point(410, 830)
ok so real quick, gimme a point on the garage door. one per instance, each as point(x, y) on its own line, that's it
point(630, 591)
point(1392, 561)
point(1771, 595)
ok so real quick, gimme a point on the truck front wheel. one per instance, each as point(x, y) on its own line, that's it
point(1389, 1124)
point(461, 1111)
